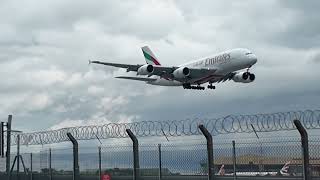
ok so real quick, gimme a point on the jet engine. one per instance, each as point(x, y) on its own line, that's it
point(145, 69)
point(181, 72)
point(244, 77)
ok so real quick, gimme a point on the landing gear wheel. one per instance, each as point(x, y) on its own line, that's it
point(211, 87)
point(188, 86)
point(197, 87)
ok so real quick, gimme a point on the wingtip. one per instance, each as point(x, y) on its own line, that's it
point(89, 62)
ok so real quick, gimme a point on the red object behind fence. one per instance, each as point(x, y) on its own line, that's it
point(106, 177)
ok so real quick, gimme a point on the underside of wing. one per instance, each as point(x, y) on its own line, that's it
point(227, 77)
point(182, 74)
point(137, 78)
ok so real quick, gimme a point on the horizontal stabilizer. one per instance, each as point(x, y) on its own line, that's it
point(137, 78)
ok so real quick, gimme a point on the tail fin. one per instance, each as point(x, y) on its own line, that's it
point(149, 56)
point(221, 170)
point(285, 168)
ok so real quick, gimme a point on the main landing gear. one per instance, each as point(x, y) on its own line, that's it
point(210, 86)
point(188, 86)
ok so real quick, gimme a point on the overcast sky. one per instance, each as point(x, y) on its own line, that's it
point(46, 82)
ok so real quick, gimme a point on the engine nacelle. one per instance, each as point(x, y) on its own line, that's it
point(181, 72)
point(145, 69)
point(244, 77)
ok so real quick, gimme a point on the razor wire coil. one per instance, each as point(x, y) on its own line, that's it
point(229, 124)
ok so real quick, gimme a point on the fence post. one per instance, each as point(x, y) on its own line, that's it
point(136, 165)
point(31, 170)
point(210, 151)
point(234, 160)
point(76, 173)
point(2, 139)
point(8, 154)
point(100, 173)
point(18, 156)
point(50, 164)
point(305, 149)
point(160, 162)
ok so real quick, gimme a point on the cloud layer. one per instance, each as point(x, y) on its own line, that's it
point(45, 46)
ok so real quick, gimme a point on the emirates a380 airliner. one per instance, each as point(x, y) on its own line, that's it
point(228, 65)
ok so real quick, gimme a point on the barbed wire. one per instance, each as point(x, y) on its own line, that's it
point(229, 124)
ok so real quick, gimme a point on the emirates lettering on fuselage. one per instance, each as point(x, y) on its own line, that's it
point(221, 59)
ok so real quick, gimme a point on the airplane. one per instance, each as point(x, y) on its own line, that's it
point(220, 67)
point(222, 172)
point(284, 171)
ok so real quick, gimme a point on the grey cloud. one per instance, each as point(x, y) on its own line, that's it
point(316, 58)
point(45, 47)
point(302, 31)
point(290, 24)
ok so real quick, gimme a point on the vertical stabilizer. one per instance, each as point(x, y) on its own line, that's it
point(149, 56)
point(221, 170)
point(285, 169)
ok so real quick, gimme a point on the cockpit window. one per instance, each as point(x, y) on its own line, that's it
point(248, 53)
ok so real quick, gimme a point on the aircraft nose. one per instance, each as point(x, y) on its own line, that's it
point(253, 59)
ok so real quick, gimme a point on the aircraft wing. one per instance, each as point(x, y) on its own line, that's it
point(158, 70)
point(137, 78)
point(129, 67)
point(162, 71)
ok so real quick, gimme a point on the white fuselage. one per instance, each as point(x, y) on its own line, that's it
point(255, 174)
point(224, 63)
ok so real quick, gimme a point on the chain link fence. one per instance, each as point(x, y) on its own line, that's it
point(273, 157)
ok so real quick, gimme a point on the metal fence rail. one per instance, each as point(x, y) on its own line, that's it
point(228, 124)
